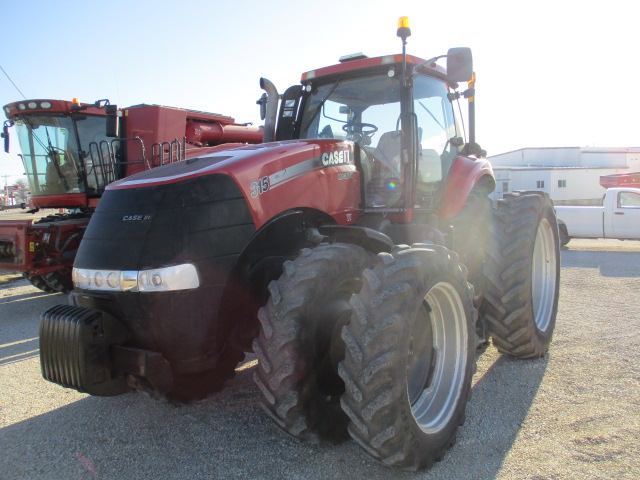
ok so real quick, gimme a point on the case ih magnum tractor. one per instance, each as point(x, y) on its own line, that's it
point(71, 151)
point(352, 254)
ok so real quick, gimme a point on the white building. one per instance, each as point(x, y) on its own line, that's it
point(570, 175)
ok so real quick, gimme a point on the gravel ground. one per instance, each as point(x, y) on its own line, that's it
point(574, 414)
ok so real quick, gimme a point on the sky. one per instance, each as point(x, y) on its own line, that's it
point(549, 73)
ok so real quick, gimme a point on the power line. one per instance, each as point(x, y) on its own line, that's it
point(7, 75)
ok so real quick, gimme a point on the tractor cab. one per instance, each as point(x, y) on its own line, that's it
point(60, 142)
point(368, 111)
point(400, 112)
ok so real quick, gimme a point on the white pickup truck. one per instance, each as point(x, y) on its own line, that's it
point(618, 217)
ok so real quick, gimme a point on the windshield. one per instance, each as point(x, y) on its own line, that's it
point(366, 110)
point(51, 158)
point(371, 100)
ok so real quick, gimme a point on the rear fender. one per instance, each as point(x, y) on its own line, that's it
point(465, 175)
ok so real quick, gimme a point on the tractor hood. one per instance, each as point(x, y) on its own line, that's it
point(311, 170)
point(252, 159)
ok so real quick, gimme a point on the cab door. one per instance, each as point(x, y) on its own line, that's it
point(626, 215)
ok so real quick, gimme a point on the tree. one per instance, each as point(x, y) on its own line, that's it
point(21, 191)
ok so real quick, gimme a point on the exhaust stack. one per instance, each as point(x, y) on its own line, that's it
point(271, 111)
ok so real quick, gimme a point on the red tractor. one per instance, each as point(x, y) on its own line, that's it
point(357, 254)
point(72, 151)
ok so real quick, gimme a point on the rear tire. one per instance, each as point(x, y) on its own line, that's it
point(523, 274)
point(299, 345)
point(410, 356)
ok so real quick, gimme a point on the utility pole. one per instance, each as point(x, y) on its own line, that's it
point(6, 188)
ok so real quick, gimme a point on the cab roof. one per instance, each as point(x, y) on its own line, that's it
point(365, 63)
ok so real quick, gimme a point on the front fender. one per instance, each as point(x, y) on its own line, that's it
point(465, 174)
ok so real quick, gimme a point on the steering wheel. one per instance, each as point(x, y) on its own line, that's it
point(367, 129)
point(360, 131)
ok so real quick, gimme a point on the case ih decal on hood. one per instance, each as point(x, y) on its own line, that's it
point(335, 158)
point(327, 159)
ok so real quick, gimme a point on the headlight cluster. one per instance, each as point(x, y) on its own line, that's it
point(32, 105)
point(178, 277)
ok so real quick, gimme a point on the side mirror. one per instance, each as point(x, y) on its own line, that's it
point(459, 64)
point(101, 103)
point(5, 135)
point(113, 122)
point(262, 101)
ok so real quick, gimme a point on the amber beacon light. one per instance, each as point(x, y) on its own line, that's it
point(404, 30)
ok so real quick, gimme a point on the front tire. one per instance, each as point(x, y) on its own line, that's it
point(59, 280)
point(563, 235)
point(39, 282)
point(299, 344)
point(523, 274)
point(410, 356)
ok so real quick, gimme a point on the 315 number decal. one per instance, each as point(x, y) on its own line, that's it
point(259, 187)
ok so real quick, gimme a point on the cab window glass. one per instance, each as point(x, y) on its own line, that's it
point(629, 200)
point(436, 128)
point(365, 110)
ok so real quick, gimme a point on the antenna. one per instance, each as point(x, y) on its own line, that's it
point(12, 83)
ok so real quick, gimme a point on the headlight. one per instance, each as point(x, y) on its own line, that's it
point(178, 277)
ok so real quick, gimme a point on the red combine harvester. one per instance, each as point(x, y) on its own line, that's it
point(72, 151)
point(357, 254)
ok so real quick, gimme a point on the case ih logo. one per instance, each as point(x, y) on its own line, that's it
point(335, 158)
point(136, 218)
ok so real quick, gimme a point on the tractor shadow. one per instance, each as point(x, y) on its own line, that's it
point(608, 264)
point(503, 393)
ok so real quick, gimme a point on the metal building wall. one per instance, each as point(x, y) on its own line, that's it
point(569, 157)
point(565, 186)
point(570, 175)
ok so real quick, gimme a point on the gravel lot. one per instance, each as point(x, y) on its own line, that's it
point(574, 414)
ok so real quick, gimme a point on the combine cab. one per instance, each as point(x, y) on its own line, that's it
point(356, 253)
point(72, 151)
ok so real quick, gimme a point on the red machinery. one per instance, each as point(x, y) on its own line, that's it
point(72, 151)
point(298, 250)
point(621, 180)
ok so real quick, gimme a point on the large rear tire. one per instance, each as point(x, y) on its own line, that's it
point(410, 356)
point(299, 345)
point(522, 274)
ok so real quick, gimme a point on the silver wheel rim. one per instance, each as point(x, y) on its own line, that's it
point(434, 401)
point(544, 275)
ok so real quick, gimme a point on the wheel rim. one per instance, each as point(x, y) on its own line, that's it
point(544, 275)
point(437, 358)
